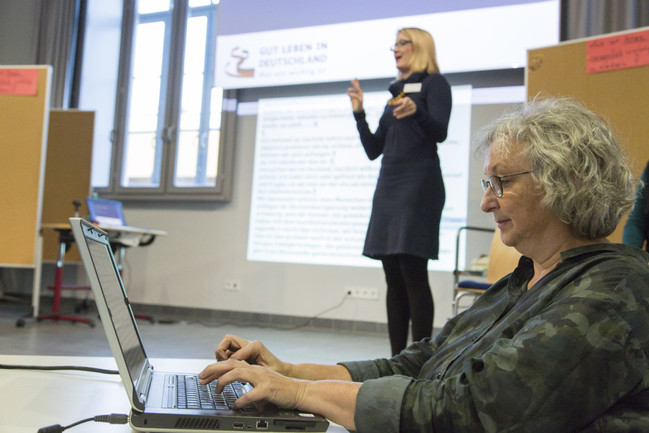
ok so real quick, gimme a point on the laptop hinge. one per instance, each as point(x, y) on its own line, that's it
point(144, 383)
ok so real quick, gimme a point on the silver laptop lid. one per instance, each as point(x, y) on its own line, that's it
point(114, 309)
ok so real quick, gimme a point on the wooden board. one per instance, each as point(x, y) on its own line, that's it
point(67, 173)
point(23, 128)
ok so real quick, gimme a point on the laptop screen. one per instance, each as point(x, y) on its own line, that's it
point(119, 307)
point(107, 213)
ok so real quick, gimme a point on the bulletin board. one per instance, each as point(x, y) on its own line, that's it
point(610, 75)
point(67, 174)
point(24, 116)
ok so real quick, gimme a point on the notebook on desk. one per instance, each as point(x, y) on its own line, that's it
point(157, 404)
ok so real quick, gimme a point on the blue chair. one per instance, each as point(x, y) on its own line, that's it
point(502, 261)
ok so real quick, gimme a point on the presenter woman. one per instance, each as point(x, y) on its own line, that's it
point(404, 225)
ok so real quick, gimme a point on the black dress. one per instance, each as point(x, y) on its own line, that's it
point(410, 195)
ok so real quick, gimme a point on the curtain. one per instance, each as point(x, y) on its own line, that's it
point(59, 24)
point(584, 18)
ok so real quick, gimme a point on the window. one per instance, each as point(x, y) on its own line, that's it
point(167, 138)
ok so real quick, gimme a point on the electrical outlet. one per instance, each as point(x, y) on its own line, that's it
point(232, 286)
point(363, 293)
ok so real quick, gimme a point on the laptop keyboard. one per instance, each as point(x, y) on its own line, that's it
point(192, 395)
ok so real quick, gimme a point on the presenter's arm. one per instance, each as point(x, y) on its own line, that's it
point(372, 142)
point(355, 96)
point(434, 108)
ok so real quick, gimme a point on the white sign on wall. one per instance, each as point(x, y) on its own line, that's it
point(467, 40)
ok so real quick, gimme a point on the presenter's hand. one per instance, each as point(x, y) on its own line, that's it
point(404, 107)
point(237, 349)
point(268, 385)
point(356, 96)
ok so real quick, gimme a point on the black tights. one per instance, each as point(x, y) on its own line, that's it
point(408, 299)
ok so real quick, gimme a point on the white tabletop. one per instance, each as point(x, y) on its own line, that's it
point(34, 399)
point(114, 229)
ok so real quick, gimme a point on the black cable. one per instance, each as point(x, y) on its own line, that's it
point(113, 418)
point(55, 368)
point(265, 325)
point(342, 301)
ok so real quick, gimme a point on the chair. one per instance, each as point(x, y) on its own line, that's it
point(502, 261)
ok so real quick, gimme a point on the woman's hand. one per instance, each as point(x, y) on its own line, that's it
point(238, 349)
point(324, 389)
point(356, 96)
point(333, 399)
point(268, 385)
point(404, 107)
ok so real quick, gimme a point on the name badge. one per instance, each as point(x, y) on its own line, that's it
point(412, 88)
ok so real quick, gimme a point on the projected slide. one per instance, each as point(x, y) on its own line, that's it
point(313, 184)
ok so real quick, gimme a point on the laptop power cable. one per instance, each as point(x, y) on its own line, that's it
point(113, 418)
point(57, 368)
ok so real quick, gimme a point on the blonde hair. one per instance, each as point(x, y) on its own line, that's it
point(424, 57)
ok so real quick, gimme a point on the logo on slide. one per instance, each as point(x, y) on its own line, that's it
point(236, 67)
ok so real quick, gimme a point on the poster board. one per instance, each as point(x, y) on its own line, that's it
point(67, 174)
point(24, 116)
point(610, 75)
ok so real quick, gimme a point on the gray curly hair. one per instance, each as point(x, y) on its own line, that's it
point(579, 165)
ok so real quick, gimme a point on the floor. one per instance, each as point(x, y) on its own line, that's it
point(173, 337)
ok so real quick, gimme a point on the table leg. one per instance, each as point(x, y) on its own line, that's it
point(64, 241)
point(58, 279)
point(36, 287)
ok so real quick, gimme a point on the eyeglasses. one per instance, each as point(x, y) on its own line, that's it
point(400, 44)
point(496, 182)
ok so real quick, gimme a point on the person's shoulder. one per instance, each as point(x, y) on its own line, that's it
point(611, 251)
point(436, 82)
point(606, 267)
point(435, 77)
point(628, 257)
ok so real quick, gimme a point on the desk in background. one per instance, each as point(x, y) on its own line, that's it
point(34, 399)
point(120, 238)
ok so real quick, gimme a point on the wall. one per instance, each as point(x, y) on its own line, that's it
point(206, 245)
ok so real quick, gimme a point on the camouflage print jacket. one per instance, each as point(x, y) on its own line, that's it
point(569, 355)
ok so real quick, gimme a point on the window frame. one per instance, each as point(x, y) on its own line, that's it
point(170, 101)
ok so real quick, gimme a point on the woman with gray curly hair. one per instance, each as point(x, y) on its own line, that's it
point(574, 158)
point(559, 345)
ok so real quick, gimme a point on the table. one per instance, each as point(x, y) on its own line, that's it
point(34, 399)
point(120, 237)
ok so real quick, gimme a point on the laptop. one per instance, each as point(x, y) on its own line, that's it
point(157, 401)
point(106, 213)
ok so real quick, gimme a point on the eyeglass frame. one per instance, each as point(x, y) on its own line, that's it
point(499, 180)
point(400, 44)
